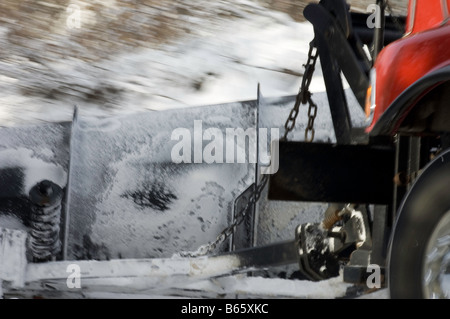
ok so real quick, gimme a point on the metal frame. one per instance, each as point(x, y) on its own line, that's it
point(318, 172)
point(340, 51)
point(378, 39)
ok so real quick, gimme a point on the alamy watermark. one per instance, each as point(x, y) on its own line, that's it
point(73, 20)
point(374, 19)
point(236, 145)
point(74, 278)
point(374, 279)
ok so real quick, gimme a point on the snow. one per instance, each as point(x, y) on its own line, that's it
point(242, 287)
point(11, 222)
point(274, 287)
point(36, 168)
point(12, 244)
point(227, 62)
point(219, 64)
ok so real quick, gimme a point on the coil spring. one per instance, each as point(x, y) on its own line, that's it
point(45, 219)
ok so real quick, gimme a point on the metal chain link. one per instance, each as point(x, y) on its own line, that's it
point(312, 113)
point(228, 231)
point(304, 97)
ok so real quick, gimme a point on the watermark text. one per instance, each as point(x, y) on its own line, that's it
point(374, 279)
point(235, 145)
point(74, 278)
point(374, 19)
point(73, 21)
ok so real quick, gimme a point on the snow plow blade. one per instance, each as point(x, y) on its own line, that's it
point(140, 185)
point(125, 196)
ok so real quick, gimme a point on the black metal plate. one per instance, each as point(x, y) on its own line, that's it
point(333, 173)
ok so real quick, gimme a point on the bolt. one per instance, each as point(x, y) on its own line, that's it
point(45, 188)
point(402, 179)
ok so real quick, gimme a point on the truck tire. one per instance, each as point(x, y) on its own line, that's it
point(419, 253)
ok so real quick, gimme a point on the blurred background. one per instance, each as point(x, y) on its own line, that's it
point(113, 56)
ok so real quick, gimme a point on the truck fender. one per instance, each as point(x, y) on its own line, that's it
point(391, 119)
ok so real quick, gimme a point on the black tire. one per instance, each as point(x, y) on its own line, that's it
point(423, 208)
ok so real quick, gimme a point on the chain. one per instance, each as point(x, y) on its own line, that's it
point(303, 97)
point(312, 113)
point(228, 231)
